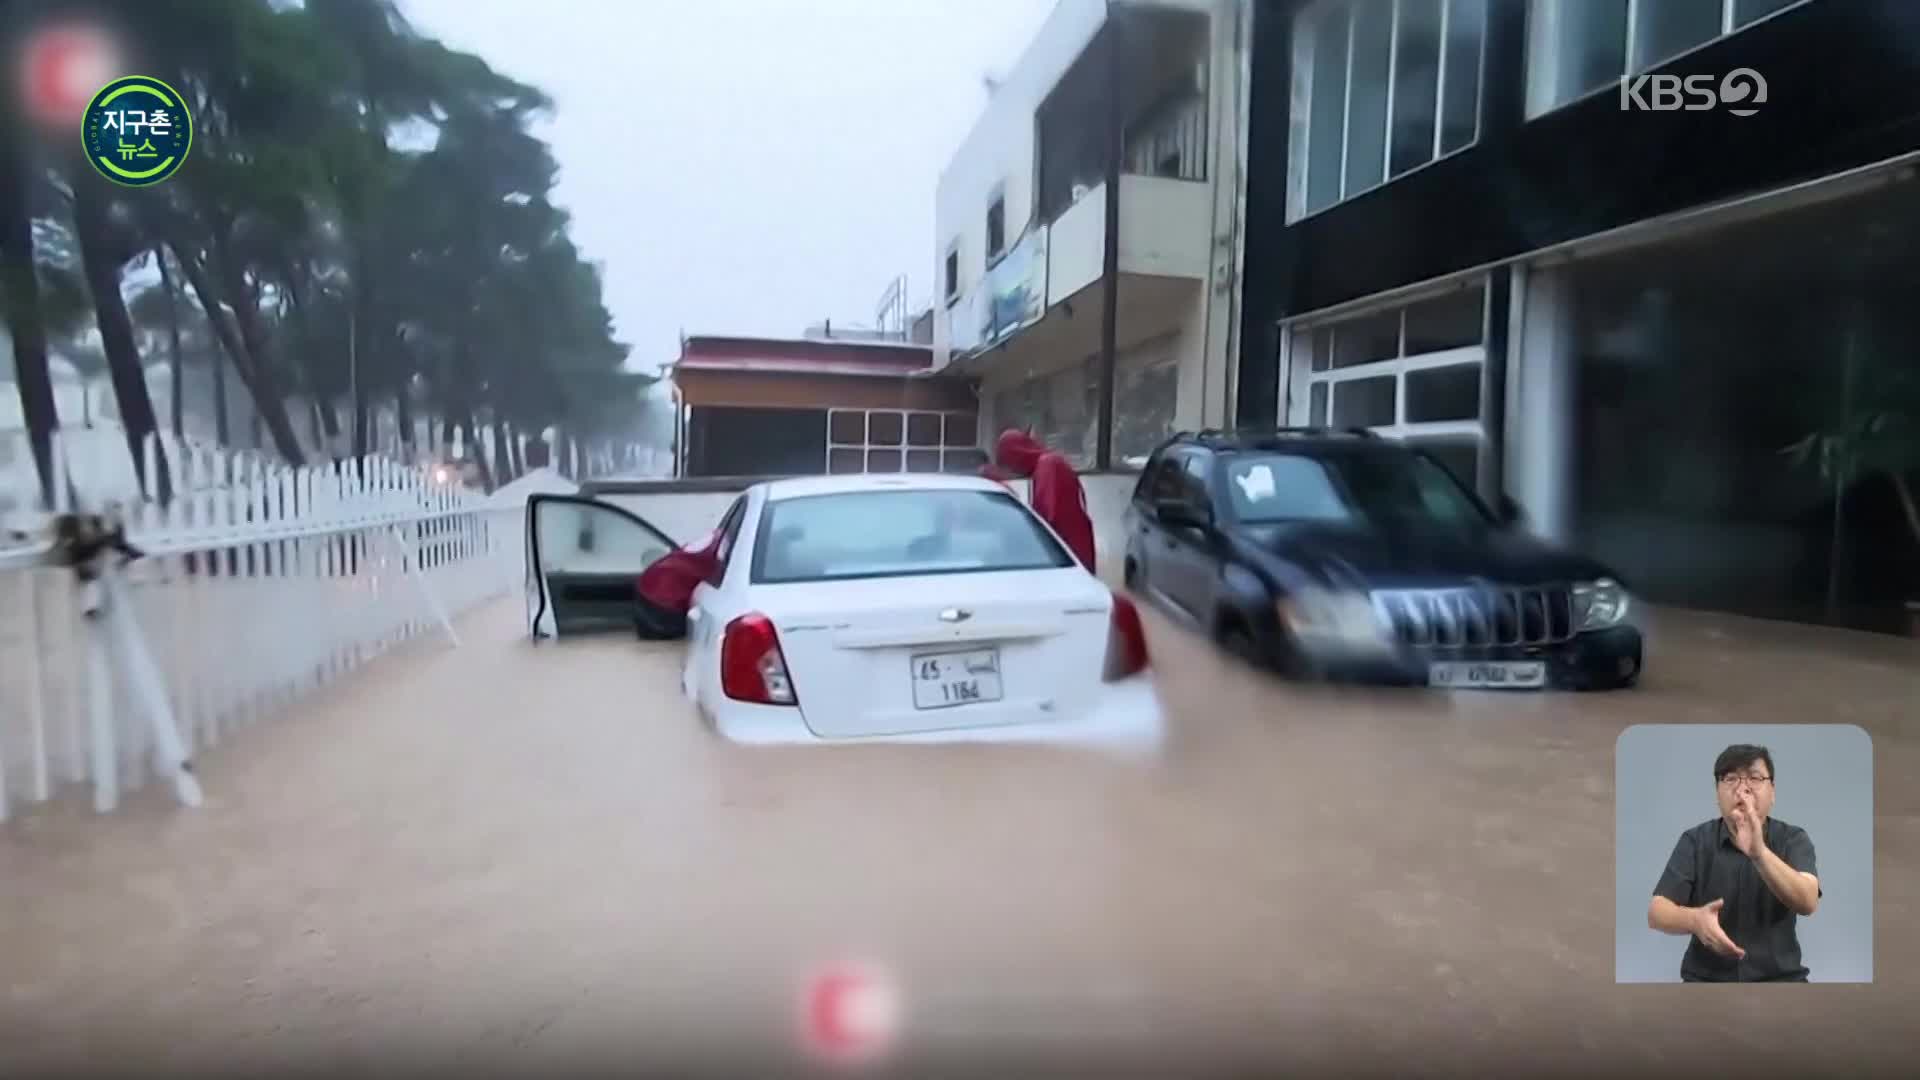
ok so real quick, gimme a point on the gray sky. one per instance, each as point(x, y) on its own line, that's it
point(748, 166)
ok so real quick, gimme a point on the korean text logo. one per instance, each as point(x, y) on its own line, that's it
point(137, 131)
point(1740, 92)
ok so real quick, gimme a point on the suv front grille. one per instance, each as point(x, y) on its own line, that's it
point(1476, 617)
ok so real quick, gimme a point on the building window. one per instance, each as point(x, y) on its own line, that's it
point(1412, 371)
point(1381, 87)
point(996, 226)
point(950, 273)
point(1169, 139)
point(902, 440)
point(1577, 47)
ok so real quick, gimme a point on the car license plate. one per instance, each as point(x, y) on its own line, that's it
point(1510, 675)
point(948, 680)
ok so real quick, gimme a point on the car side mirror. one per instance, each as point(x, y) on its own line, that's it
point(1509, 513)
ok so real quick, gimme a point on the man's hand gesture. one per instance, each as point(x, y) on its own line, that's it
point(1748, 835)
point(1706, 928)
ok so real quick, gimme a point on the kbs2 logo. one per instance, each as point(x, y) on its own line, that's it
point(1740, 91)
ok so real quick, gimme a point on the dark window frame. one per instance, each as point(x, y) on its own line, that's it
point(996, 208)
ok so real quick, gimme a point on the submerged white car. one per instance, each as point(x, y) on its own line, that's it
point(896, 608)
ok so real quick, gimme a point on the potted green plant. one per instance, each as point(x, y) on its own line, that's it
point(1878, 432)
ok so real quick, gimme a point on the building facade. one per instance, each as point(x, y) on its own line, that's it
point(751, 407)
point(1633, 262)
point(1020, 217)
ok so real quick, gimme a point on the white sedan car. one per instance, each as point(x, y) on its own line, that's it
point(873, 608)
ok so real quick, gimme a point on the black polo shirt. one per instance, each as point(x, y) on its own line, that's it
point(1706, 867)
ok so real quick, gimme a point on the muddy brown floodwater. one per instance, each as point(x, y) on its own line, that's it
point(509, 857)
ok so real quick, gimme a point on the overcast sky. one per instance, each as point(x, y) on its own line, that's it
point(748, 166)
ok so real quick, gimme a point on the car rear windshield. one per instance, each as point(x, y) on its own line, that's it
point(869, 534)
point(1348, 487)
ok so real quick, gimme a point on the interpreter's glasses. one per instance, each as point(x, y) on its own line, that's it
point(1735, 779)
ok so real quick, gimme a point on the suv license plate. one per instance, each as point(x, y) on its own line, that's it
point(1512, 675)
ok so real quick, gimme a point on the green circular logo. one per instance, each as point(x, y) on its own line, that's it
point(137, 131)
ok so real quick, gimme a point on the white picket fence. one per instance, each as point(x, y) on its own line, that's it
point(96, 460)
point(259, 584)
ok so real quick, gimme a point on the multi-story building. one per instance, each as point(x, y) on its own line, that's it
point(1021, 220)
point(832, 401)
point(1617, 258)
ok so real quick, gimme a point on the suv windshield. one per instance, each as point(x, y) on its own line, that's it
point(891, 533)
point(1271, 488)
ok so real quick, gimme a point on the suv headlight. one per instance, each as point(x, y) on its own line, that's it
point(1599, 604)
point(1327, 618)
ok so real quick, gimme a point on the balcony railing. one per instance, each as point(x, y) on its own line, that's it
point(1169, 138)
point(1166, 139)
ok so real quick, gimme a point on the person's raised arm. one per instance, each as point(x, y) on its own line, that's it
point(1672, 910)
point(1673, 893)
point(1790, 879)
point(1702, 922)
point(1670, 918)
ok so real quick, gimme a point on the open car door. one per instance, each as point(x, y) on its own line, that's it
point(584, 559)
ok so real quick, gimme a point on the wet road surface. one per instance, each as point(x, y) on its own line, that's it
point(513, 857)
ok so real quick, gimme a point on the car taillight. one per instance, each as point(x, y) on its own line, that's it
point(1126, 640)
point(751, 666)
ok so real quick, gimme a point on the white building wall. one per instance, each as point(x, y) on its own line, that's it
point(1209, 395)
point(1168, 227)
point(1540, 373)
point(1000, 150)
point(1209, 349)
point(1077, 244)
point(1163, 232)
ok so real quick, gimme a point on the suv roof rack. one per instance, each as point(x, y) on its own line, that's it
point(1217, 436)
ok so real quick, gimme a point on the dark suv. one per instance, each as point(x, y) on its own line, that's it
point(1338, 554)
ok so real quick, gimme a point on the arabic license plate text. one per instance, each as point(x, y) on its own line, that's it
point(947, 680)
point(1509, 675)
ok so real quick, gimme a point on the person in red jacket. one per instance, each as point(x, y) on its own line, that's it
point(664, 592)
point(1056, 493)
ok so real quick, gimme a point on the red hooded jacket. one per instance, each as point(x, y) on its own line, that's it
point(669, 583)
point(1056, 496)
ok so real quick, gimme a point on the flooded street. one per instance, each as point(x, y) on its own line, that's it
point(520, 856)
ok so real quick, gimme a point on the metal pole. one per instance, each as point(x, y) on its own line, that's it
point(353, 378)
point(410, 567)
point(1110, 256)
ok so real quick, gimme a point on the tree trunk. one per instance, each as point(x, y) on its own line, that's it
point(1907, 504)
point(223, 332)
point(222, 426)
point(360, 352)
point(329, 423)
point(503, 451)
point(175, 375)
point(269, 399)
point(20, 292)
point(101, 263)
point(510, 449)
point(471, 437)
point(403, 415)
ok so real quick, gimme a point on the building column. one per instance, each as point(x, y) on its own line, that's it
point(1205, 398)
point(1541, 363)
point(1270, 265)
point(1497, 334)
